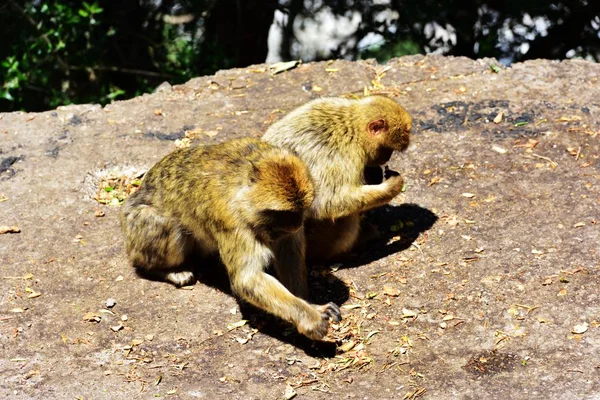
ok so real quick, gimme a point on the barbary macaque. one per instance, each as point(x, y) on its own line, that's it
point(339, 139)
point(245, 200)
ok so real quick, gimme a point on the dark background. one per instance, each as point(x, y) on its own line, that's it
point(60, 51)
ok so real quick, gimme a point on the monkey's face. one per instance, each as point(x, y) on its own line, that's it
point(382, 155)
point(388, 129)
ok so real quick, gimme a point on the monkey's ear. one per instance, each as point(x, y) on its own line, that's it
point(377, 127)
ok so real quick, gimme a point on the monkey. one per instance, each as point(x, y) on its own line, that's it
point(341, 140)
point(244, 200)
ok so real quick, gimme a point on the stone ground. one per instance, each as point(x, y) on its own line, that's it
point(487, 285)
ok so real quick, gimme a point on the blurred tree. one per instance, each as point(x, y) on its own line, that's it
point(511, 30)
point(65, 51)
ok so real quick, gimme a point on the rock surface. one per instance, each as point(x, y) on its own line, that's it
point(489, 287)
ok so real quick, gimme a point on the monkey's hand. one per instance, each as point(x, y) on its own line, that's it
point(315, 326)
point(393, 181)
point(373, 175)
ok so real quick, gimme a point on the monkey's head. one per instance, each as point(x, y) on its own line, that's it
point(282, 191)
point(387, 126)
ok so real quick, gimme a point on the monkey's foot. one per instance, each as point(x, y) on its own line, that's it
point(181, 278)
point(318, 327)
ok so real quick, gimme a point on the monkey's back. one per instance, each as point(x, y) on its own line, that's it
point(198, 185)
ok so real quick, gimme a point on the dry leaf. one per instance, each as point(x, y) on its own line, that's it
point(498, 118)
point(9, 229)
point(580, 328)
point(91, 317)
point(238, 324)
point(391, 291)
point(434, 180)
point(283, 66)
point(289, 393)
point(547, 282)
point(349, 345)
point(352, 306)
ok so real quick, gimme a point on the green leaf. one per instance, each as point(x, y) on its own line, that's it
point(495, 69)
point(84, 14)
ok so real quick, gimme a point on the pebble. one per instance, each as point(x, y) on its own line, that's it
point(110, 303)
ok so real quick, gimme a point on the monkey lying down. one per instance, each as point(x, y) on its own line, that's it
point(244, 200)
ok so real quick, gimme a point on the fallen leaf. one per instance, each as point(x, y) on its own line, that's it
point(547, 282)
point(238, 324)
point(391, 291)
point(289, 393)
point(434, 180)
point(9, 229)
point(580, 328)
point(91, 317)
point(349, 345)
point(283, 66)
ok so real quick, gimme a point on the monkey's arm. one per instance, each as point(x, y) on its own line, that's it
point(290, 263)
point(356, 199)
point(250, 281)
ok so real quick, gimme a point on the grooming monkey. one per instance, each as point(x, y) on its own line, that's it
point(340, 140)
point(244, 200)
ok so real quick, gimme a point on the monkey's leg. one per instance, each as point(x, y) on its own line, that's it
point(156, 244)
point(290, 263)
point(251, 283)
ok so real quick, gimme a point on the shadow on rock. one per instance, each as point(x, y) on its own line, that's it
point(323, 288)
point(404, 223)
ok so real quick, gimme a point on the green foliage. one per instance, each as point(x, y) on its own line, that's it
point(58, 52)
point(57, 44)
point(383, 52)
point(64, 52)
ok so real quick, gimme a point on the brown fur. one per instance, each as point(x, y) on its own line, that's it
point(338, 138)
point(244, 200)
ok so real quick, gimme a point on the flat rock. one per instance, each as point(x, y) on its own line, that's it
point(495, 280)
